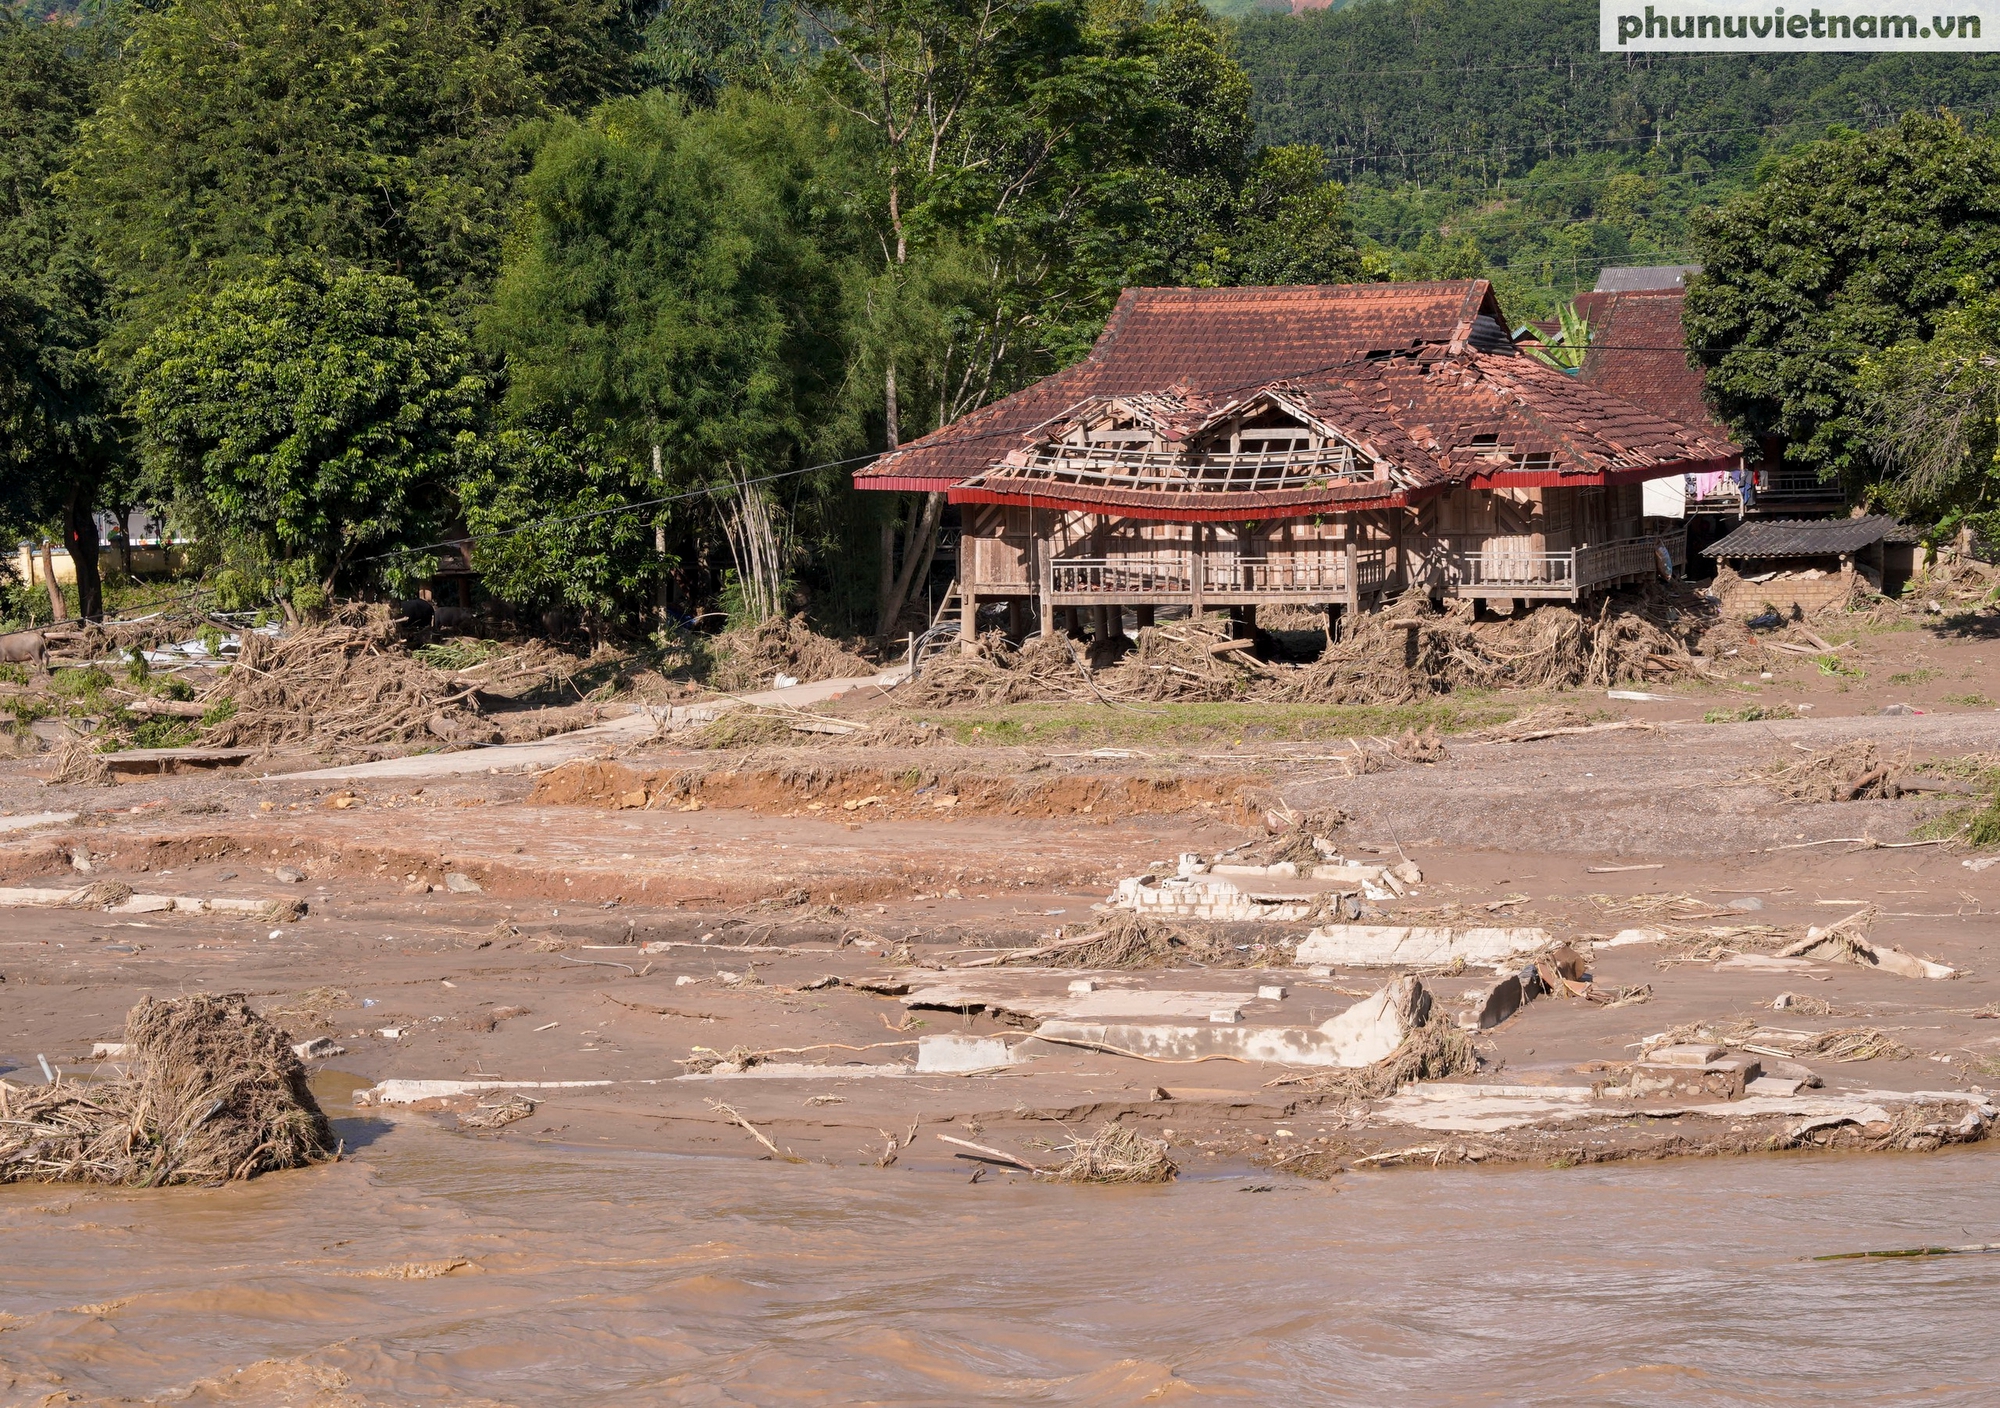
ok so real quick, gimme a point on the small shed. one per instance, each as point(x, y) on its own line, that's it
point(1812, 563)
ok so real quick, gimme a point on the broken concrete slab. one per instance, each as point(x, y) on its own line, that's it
point(33, 819)
point(1626, 937)
point(1485, 1109)
point(1381, 946)
point(1493, 1004)
point(1365, 1033)
point(1219, 899)
point(408, 1092)
point(320, 1048)
point(997, 994)
point(958, 1055)
point(279, 910)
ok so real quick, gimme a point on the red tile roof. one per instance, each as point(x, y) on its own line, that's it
point(1638, 350)
point(1434, 420)
point(1222, 340)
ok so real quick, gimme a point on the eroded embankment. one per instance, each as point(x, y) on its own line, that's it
point(915, 791)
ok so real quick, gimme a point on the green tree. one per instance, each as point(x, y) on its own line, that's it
point(1854, 244)
point(676, 291)
point(370, 133)
point(549, 511)
point(318, 414)
point(1932, 406)
point(58, 444)
point(1291, 223)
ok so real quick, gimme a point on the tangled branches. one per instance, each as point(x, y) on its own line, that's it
point(216, 1093)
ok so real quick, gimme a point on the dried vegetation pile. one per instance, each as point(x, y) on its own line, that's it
point(343, 686)
point(1409, 651)
point(1854, 771)
point(752, 657)
point(214, 1093)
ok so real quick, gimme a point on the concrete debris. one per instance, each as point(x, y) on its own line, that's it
point(280, 910)
point(1365, 1033)
point(409, 1092)
point(1484, 1109)
point(1493, 1004)
point(961, 1055)
point(319, 1048)
point(459, 883)
point(960, 992)
point(1632, 936)
point(285, 875)
point(1380, 946)
point(1221, 900)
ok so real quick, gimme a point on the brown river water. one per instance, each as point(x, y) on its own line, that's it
point(600, 1277)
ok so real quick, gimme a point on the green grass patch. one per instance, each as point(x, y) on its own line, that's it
point(1020, 724)
point(1922, 676)
point(1975, 701)
point(1977, 826)
point(1750, 714)
point(218, 712)
point(1835, 669)
point(460, 654)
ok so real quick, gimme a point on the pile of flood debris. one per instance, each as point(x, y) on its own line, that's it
point(1411, 649)
point(209, 1092)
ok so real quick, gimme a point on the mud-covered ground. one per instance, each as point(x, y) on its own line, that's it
point(623, 921)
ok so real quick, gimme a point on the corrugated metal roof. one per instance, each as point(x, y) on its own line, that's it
point(1804, 537)
point(1635, 279)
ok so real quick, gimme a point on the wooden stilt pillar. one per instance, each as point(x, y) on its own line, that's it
point(1142, 618)
point(968, 621)
point(1017, 618)
point(1048, 615)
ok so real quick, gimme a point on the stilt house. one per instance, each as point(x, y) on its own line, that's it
point(1324, 446)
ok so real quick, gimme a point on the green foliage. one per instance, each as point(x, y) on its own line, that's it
point(1750, 714)
point(1856, 243)
point(547, 508)
point(1564, 350)
point(376, 133)
point(1932, 408)
point(1498, 122)
point(55, 429)
point(318, 412)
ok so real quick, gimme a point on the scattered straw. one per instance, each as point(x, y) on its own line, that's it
point(77, 761)
point(1855, 1044)
point(1115, 1154)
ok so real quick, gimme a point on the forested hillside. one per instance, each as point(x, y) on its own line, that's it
point(1491, 134)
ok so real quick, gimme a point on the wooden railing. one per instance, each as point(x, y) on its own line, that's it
point(1319, 576)
point(1469, 569)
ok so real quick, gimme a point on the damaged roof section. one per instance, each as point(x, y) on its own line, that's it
point(1227, 341)
point(1381, 431)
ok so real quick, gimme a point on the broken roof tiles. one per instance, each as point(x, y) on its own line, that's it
point(1419, 425)
point(1638, 351)
point(1223, 340)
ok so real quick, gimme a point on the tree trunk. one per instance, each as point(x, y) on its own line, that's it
point(125, 512)
point(80, 537)
point(885, 581)
point(660, 537)
point(56, 602)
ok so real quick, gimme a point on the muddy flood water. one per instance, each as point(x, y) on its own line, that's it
point(430, 1267)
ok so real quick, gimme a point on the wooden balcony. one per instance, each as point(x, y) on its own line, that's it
point(1507, 570)
point(1201, 580)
